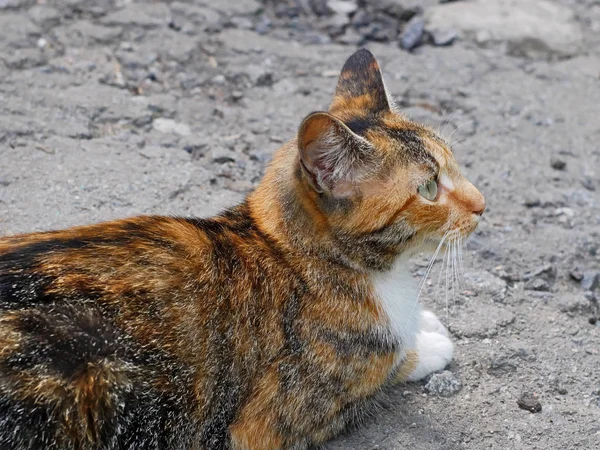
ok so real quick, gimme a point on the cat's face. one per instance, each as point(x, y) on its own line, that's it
point(378, 177)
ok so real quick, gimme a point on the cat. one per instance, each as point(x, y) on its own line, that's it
point(270, 326)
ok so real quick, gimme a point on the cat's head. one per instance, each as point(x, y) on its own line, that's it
point(380, 183)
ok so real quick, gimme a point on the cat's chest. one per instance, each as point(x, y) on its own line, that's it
point(397, 292)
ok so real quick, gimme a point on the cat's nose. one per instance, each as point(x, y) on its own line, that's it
point(478, 204)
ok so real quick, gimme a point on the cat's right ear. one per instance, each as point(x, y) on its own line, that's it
point(333, 157)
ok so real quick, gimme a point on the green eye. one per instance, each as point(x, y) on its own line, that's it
point(429, 190)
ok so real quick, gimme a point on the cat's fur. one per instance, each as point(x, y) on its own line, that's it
point(270, 326)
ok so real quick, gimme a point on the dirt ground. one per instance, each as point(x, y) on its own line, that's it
point(115, 108)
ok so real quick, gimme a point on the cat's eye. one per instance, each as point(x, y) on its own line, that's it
point(429, 190)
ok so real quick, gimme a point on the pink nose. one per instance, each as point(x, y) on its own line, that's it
point(478, 204)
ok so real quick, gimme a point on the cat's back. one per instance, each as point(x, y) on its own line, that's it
point(103, 329)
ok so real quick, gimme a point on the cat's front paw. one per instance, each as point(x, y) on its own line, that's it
point(430, 322)
point(435, 353)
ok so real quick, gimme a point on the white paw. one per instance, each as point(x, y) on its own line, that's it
point(430, 323)
point(435, 353)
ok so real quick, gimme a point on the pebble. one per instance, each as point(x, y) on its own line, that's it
point(413, 33)
point(444, 384)
point(558, 164)
point(537, 284)
point(442, 38)
point(351, 37)
point(576, 274)
point(222, 156)
point(590, 280)
point(529, 402)
point(170, 126)
point(547, 272)
point(342, 6)
point(588, 183)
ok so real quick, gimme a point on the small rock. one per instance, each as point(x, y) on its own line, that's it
point(546, 272)
point(532, 202)
point(590, 280)
point(444, 384)
point(562, 391)
point(44, 16)
point(170, 126)
point(237, 95)
point(576, 274)
point(351, 37)
point(502, 365)
point(342, 6)
point(222, 156)
point(537, 29)
point(442, 38)
point(558, 164)
point(529, 402)
point(537, 284)
point(413, 33)
point(588, 183)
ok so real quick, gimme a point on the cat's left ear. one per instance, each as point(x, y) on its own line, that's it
point(361, 86)
point(333, 157)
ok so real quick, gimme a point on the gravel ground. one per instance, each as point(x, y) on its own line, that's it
point(114, 108)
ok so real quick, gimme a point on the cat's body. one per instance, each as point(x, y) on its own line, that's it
point(270, 326)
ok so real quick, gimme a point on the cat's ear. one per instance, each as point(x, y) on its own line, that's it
point(332, 156)
point(361, 85)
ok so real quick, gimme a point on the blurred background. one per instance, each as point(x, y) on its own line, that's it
point(111, 108)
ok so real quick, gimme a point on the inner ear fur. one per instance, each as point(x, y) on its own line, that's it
point(332, 156)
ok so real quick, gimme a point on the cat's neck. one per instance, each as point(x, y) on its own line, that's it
point(283, 208)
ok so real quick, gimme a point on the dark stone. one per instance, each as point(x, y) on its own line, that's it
point(529, 402)
point(537, 284)
point(558, 164)
point(576, 274)
point(590, 280)
point(546, 272)
point(412, 33)
point(265, 80)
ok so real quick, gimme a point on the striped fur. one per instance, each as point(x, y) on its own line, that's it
point(257, 329)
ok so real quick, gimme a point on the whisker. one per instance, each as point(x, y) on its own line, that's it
point(428, 270)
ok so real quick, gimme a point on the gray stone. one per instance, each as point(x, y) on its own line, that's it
point(537, 284)
point(237, 7)
point(529, 402)
point(17, 30)
point(484, 282)
point(96, 33)
point(345, 7)
point(350, 37)
point(444, 384)
point(590, 280)
point(546, 272)
point(151, 16)
point(413, 33)
point(170, 126)
point(530, 28)
point(221, 155)
point(576, 274)
point(443, 38)
point(44, 16)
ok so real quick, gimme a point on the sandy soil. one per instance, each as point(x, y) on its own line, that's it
point(112, 108)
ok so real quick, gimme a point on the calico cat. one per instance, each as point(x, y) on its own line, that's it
point(270, 326)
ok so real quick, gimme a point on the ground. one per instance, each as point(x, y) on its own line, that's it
point(114, 108)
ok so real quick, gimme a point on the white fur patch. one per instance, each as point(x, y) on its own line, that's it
point(397, 291)
point(446, 181)
point(418, 330)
